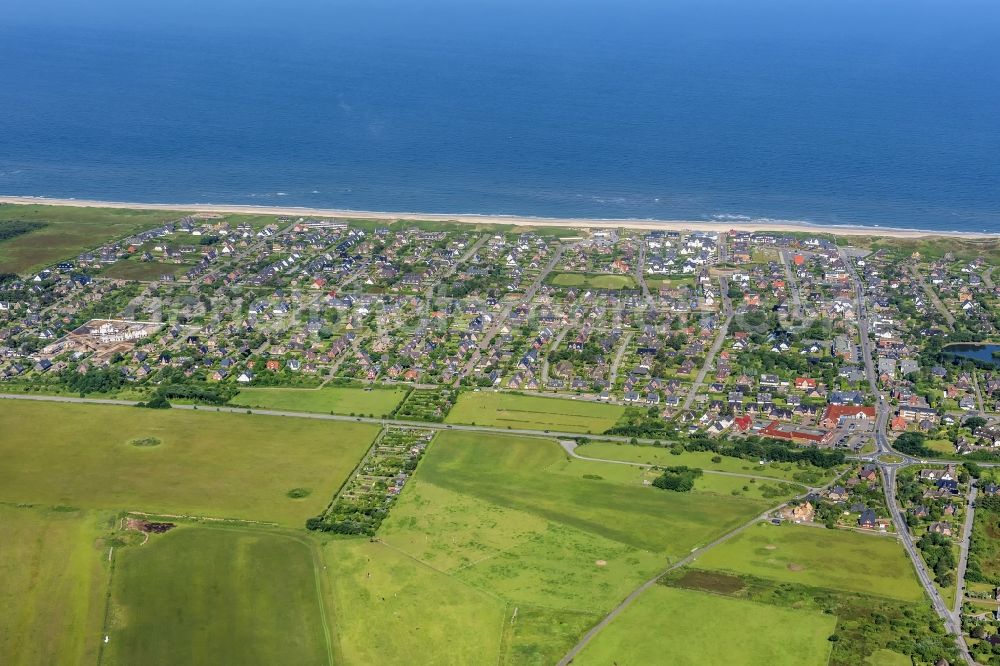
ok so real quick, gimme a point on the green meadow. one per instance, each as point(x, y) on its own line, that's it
point(530, 412)
point(206, 463)
point(212, 595)
point(336, 399)
point(53, 580)
point(840, 560)
point(593, 280)
point(391, 608)
point(143, 271)
point(672, 626)
point(514, 519)
point(68, 232)
point(654, 455)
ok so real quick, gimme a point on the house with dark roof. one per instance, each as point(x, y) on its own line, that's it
point(868, 520)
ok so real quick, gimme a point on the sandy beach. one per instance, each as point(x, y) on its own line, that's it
point(577, 223)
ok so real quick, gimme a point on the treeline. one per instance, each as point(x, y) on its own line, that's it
point(912, 444)
point(346, 518)
point(938, 554)
point(94, 380)
point(14, 228)
point(642, 422)
point(764, 448)
point(216, 394)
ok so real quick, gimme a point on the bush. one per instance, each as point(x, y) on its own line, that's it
point(678, 479)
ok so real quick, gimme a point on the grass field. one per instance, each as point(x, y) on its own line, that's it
point(52, 586)
point(672, 626)
point(203, 595)
point(940, 445)
point(722, 484)
point(593, 280)
point(652, 455)
point(336, 399)
point(144, 271)
point(888, 658)
point(670, 281)
point(391, 608)
point(515, 519)
point(985, 550)
point(69, 232)
point(834, 559)
point(533, 412)
point(208, 464)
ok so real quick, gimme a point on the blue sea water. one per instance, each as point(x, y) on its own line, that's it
point(831, 111)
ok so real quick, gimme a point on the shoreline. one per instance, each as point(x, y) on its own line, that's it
point(513, 220)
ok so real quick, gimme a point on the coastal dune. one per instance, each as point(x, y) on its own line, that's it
point(515, 220)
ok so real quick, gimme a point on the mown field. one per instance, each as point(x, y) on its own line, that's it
point(533, 412)
point(652, 455)
point(68, 232)
point(211, 595)
point(835, 559)
point(53, 579)
point(543, 551)
point(593, 280)
point(672, 626)
point(335, 399)
point(206, 464)
point(669, 281)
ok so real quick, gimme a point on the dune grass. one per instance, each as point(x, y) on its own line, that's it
point(68, 232)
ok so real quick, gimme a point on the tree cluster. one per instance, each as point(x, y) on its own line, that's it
point(678, 479)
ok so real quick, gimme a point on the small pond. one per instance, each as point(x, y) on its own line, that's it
point(984, 353)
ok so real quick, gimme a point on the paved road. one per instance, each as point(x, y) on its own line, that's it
point(988, 277)
point(963, 556)
point(622, 346)
point(888, 471)
point(327, 417)
point(720, 338)
point(554, 345)
point(640, 273)
point(793, 287)
point(932, 295)
point(528, 295)
point(979, 393)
